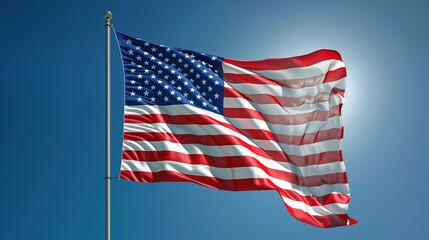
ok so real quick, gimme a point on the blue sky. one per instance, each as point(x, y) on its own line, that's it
point(52, 124)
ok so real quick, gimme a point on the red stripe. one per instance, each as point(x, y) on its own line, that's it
point(294, 119)
point(309, 138)
point(282, 100)
point(285, 63)
point(232, 185)
point(234, 162)
point(330, 76)
point(210, 140)
point(334, 220)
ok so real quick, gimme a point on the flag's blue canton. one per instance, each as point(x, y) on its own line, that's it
point(160, 75)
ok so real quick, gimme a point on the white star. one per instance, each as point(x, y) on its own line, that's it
point(166, 77)
point(166, 60)
point(138, 58)
point(198, 96)
point(186, 83)
point(133, 70)
point(204, 63)
point(173, 71)
point(210, 77)
point(153, 76)
point(139, 66)
point(139, 88)
point(173, 82)
point(216, 82)
point(159, 62)
point(210, 88)
point(166, 98)
point(174, 55)
point(146, 82)
point(159, 92)
point(139, 76)
point(152, 87)
point(213, 58)
point(167, 49)
point(152, 99)
point(191, 102)
point(152, 58)
point(153, 49)
point(180, 60)
point(198, 75)
point(159, 81)
point(138, 48)
point(172, 92)
point(146, 44)
point(179, 77)
point(204, 71)
point(146, 71)
point(204, 104)
point(215, 108)
point(145, 53)
point(146, 93)
point(159, 71)
point(192, 89)
point(166, 86)
point(204, 94)
point(139, 99)
point(166, 67)
point(131, 52)
point(204, 82)
point(133, 82)
point(192, 56)
point(128, 41)
point(133, 93)
point(186, 65)
point(179, 88)
point(198, 65)
point(185, 94)
point(146, 63)
point(210, 100)
point(160, 54)
point(179, 98)
point(216, 95)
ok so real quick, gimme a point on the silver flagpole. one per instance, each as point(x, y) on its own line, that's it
point(108, 16)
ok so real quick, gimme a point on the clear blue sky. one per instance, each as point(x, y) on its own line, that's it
point(52, 117)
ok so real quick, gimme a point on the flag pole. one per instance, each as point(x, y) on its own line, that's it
point(107, 16)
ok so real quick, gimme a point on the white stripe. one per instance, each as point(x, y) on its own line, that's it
point(214, 129)
point(293, 130)
point(291, 73)
point(173, 110)
point(231, 151)
point(275, 109)
point(279, 91)
point(240, 123)
point(230, 174)
point(328, 209)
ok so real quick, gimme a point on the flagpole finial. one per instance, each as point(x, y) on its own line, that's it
point(108, 15)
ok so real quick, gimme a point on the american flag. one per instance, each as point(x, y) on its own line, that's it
point(272, 124)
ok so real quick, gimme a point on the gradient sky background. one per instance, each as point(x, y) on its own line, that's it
point(52, 117)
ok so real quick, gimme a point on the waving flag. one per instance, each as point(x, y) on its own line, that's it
point(238, 125)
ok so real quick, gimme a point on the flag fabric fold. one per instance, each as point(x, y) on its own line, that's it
point(272, 124)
